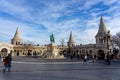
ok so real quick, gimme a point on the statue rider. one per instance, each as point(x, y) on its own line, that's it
point(52, 39)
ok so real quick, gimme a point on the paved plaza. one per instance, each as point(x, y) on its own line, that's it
point(61, 70)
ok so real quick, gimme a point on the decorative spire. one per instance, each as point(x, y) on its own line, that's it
point(102, 28)
point(17, 40)
point(71, 40)
point(17, 34)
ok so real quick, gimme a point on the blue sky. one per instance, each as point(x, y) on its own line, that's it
point(37, 19)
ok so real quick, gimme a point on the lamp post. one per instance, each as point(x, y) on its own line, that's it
point(62, 43)
point(108, 38)
point(108, 52)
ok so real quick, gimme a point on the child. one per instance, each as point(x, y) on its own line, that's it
point(4, 64)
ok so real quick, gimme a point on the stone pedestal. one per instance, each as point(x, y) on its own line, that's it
point(52, 52)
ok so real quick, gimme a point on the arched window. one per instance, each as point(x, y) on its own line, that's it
point(90, 51)
point(19, 43)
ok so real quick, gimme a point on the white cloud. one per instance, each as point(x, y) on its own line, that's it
point(88, 4)
point(13, 9)
point(114, 25)
point(109, 2)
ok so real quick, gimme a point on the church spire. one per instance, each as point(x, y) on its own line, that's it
point(17, 40)
point(71, 40)
point(17, 34)
point(102, 32)
point(71, 37)
point(102, 28)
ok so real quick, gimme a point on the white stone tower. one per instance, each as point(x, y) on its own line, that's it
point(71, 41)
point(101, 35)
point(17, 40)
point(103, 40)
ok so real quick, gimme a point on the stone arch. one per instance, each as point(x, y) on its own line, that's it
point(29, 52)
point(64, 52)
point(90, 53)
point(61, 52)
point(38, 52)
point(18, 53)
point(4, 52)
point(83, 51)
point(101, 54)
point(8, 46)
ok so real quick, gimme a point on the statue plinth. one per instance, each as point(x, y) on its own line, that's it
point(53, 52)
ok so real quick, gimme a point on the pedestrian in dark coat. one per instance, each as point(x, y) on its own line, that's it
point(108, 59)
point(9, 60)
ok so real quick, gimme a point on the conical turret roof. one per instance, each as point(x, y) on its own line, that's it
point(71, 40)
point(17, 34)
point(102, 28)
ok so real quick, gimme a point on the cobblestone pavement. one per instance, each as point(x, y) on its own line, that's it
point(62, 71)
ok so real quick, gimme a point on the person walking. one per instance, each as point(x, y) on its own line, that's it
point(85, 58)
point(108, 59)
point(7, 63)
point(0, 56)
point(4, 64)
point(93, 58)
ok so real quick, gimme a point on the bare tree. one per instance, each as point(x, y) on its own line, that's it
point(116, 39)
point(27, 42)
point(62, 42)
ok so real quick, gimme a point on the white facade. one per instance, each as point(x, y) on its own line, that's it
point(102, 46)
